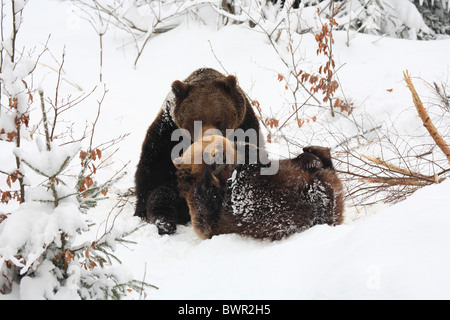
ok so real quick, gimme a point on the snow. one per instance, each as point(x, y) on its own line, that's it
point(397, 252)
point(410, 16)
point(49, 163)
point(33, 226)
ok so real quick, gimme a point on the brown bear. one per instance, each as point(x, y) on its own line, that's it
point(207, 96)
point(236, 198)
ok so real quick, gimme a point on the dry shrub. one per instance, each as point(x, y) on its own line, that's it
point(403, 163)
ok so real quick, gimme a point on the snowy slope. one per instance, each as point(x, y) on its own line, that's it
point(398, 252)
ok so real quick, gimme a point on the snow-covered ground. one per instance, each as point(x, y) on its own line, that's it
point(397, 252)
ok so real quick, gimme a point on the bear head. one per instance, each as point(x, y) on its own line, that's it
point(220, 104)
point(211, 150)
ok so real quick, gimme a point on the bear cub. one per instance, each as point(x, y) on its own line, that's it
point(236, 198)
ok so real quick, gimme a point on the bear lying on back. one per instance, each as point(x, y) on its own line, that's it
point(236, 198)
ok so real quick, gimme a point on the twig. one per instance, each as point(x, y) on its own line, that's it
point(217, 59)
point(15, 30)
point(15, 27)
point(2, 41)
point(100, 102)
point(76, 86)
point(55, 107)
point(143, 281)
point(330, 53)
point(44, 118)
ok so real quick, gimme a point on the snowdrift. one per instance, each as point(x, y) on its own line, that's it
point(401, 252)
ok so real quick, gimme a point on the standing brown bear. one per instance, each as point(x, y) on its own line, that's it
point(207, 96)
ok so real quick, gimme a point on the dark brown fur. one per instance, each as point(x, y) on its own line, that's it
point(306, 191)
point(207, 96)
point(216, 100)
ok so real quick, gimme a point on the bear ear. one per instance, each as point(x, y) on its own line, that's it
point(180, 89)
point(229, 83)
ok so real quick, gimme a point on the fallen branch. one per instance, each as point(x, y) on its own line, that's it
point(398, 169)
point(426, 118)
point(396, 181)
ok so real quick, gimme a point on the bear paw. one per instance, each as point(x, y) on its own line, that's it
point(309, 162)
point(323, 153)
point(165, 227)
